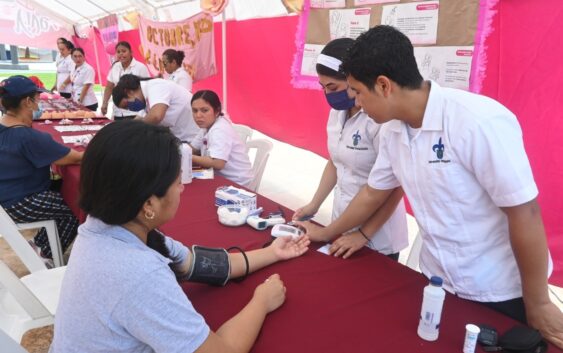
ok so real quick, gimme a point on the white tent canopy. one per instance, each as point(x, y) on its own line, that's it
point(74, 12)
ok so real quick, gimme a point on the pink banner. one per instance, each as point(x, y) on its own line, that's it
point(193, 35)
point(23, 24)
point(87, 44)
point(109, 31)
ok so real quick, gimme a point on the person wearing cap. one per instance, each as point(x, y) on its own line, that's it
point(460, 159)
point(353, 144)
point(25, 159)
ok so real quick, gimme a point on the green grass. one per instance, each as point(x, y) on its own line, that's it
point(48, 78)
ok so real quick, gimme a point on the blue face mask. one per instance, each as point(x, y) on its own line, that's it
point(37, 114)
point(340, 100)
point(136, 105)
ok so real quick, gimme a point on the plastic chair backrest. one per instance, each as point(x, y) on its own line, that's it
point(263, 148)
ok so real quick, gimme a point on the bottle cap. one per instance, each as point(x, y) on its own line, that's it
point(436, 281)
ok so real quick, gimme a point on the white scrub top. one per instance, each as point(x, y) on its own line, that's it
point(353, 146)
point(178, 116)
point(80, 76)
point(117, 70)
point(467, 160)
point(221, 141)
point(181, 77)
point(64, 67)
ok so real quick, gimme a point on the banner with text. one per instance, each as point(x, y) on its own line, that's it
point(109, 31)
point(193, 36)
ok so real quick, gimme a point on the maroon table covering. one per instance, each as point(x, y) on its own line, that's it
point(367, 303)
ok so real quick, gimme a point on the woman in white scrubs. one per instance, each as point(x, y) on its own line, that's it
point(124, 65)
point(172, 62)
point(353, 145)
point(65, 66)
point(81, 80)
point(158, 102)
point(218, 145)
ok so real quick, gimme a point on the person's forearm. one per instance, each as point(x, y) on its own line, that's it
point(257, 259)
point(107, 93)
point(528, 240)
point(208, 162)
point(381, 216)
point(327, 183)
point(240, 332)
point(83, 92)
point(362, 206)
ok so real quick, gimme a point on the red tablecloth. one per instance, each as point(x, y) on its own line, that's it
point(367, 303)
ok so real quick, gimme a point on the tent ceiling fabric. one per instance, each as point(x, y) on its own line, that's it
point(85, 11)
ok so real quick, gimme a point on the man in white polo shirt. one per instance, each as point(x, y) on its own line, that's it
point(460, 159)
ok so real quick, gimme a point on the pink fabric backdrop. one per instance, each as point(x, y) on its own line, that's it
point(94, 38)
point(259, 57)
point(524, 72)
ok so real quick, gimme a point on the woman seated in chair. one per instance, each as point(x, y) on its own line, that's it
point(218, 145)
point(25, 159)
point(120, 292)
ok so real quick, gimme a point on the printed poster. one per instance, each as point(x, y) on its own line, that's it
point(328, 4)
point(309, 63)
point(449, 66)
point(417, 20)
point(349, 23)
point(372, 2)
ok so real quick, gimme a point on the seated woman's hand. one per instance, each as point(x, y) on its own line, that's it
point(286, 248)
point(271, 293)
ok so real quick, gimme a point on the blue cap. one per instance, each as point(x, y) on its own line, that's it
point(436, 281)
point(18, 86)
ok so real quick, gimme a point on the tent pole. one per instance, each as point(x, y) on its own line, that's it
point(224, 57)
point(97, 60)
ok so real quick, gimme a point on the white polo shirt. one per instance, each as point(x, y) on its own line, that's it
point(221, 141)
point(178, 116)
point(181, 77)
point(80, 76)
point(117, 70)
point(465, 162)
point(64, 67)
point(353, 146)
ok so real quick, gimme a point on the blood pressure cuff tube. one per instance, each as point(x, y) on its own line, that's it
point(210, 266)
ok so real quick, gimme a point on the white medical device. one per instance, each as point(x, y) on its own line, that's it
point(232, 215)
point(259, 223)
point(284, 230)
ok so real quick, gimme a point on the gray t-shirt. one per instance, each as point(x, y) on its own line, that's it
point(118, 295)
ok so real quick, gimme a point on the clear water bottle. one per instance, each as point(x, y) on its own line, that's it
point(432, 302)
point(186, 152)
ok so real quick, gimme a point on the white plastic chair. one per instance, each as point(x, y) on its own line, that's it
point(244, 132)
point(263, 148)
point(9, 345)
point(11, 232)
point(28, 302)
point(412, 260)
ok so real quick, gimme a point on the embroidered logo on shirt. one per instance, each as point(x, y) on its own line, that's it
point(356, 138)
point(439, 149)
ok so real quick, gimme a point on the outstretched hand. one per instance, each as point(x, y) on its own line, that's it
point(286, 248)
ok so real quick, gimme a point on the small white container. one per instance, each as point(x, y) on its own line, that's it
point(432, 302)
point(471, 335)
point(186, 152)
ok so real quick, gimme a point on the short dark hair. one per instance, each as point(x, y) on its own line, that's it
point(123, 44)
point(210, 97)
point(13, 103)
point(115, 182)
point(126, 82)
point(68, 44)
point(383, 50)
point(175, 55)
point(337, 49)
point(77, 49)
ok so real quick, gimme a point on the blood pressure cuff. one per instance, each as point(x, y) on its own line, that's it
point(209, 265)
point(519, 339)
